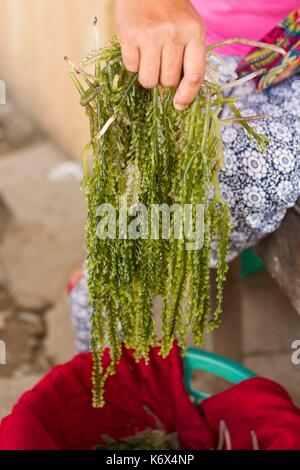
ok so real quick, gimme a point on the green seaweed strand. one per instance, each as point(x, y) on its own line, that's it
point(153, 154)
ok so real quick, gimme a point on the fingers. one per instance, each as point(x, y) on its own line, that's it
point(163, 64)
point(171, 65)
point(150, 58)
point(145, 61)
point(193, 64)
point(131, 57)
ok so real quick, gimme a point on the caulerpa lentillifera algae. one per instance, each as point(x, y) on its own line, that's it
point(144, 148)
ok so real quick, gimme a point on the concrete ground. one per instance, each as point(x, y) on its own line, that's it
point(42, 217)
point(269, 327)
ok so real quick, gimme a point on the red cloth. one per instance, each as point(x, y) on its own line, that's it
point(57, 413)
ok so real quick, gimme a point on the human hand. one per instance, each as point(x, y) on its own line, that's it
point(161, 40)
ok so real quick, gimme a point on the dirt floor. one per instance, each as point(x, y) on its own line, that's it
point(269, 327)
point(42, 217)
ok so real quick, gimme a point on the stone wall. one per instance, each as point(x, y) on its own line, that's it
point(35, 35)
point(42, 219)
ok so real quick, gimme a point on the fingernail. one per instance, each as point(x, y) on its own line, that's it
point(179, 106)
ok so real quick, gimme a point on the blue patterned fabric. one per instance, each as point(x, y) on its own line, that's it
point(258, 188)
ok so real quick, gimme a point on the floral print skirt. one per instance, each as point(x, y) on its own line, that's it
point(260, 188)
point(257, 188)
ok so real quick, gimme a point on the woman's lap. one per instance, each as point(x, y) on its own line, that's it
point(258, 188)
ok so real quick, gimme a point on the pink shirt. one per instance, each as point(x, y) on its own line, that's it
point(251, 19)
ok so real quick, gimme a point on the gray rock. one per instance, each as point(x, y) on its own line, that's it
point(59, 342)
